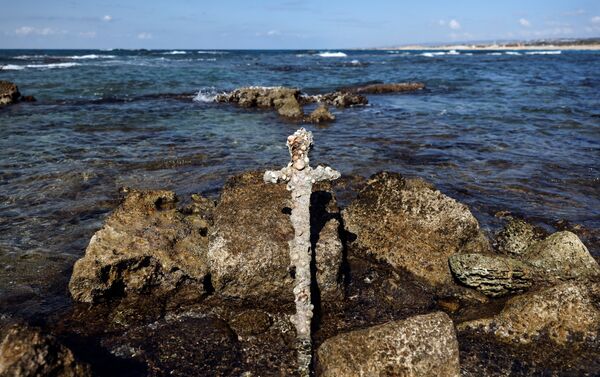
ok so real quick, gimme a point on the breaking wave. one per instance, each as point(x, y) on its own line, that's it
point(328, 54)
point(175, 52)
point(206, 95)
point(558, 52)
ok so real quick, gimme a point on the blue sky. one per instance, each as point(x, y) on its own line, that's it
point(289, 24)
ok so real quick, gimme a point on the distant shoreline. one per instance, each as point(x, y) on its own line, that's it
point(519, 47)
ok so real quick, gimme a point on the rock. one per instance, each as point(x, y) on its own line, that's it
point(259, 96)
point(320, 114)
point(26, 351)
point(290, 108)
point(516, 237)
point(249, 251)
point(388, 88)
point(565, 313)
point(423, 345)
point(562, 256)
point(250, 322)
point(342, 99)
point(145, 246)
point(28, 99)
point(411, 225)
point(9, 93)
point(492, 275)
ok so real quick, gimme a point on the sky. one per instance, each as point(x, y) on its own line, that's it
point(287, 24)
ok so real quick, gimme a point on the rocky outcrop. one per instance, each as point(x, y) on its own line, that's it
point(320, 115)
point(249, 251)
point(387, 88)
point(491, 275)
point(565, 313)
point(423, 345)
point(290, 108)
point(341, 99)
point(145, 246)
point(9, 93)
point(26, 351)
point(562, 256)
point(516, 237)
point(282, 99)
point(412, 226)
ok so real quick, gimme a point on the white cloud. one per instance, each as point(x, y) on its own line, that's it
point(29, 30)
point(144, 35)
point(596, 20)
point(454, 25)
point(107, 18)
point(524, 22)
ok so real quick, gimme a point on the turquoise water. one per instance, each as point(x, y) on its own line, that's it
point(517, 131)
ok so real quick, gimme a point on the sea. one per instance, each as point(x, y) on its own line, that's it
point(509, 132)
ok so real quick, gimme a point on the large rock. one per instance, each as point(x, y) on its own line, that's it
point(259, 96)
point(516, 237)
point(342, 99)
point(423, 345)
point(290, 108)
point(145, 246)
point(411, 225)
point(492, 275)
point(27, 352)
point(562, 256)
point(249, 251)
point(565, 313)
point(388, 88)
point(9, 93)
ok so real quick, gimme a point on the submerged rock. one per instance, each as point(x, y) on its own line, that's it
point(423, 345)
point(26, 351)
point(145, 246)
point(516, 237)
point(562, 256)
point(320, 114)
point(565, 313)
point(249, 250)
point(388, 88)
point(9, 93)
point(411, 225)
point(492, 275)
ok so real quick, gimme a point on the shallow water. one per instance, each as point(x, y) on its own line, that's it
point(496, 130)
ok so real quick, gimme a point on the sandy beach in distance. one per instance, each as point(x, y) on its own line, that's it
point(473, 47)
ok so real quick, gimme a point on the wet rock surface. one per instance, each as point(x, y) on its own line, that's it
point(145, 246)
point(516, 237)
point(423, 345)
point(341, 99)
point(566, 313)
point(26, 351)
point(492, 275)
point(411, 225)
point(320, 115)
point(388, 88)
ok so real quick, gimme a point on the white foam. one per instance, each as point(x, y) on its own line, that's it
point(328, 54)
point(544, 52)
point(432, 54)
point(355, 62)
point(512, 53)
point(494, 53)
point(211, 52)
point(11, 67)
point(31, 56)
point(91, 56)
point(453, 52)
point(53, 65)
point(206, 95)
point(175, 52)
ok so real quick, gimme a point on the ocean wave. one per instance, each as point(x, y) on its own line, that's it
point(553, 52)
point(494, 53)
point(212, 52)
point(206, 95)
point(175, 52)
point(25, 57)
point(512, 53)
point(52, 65)
point(11, 67)
point(91, 56)
point(328, 54)
point(440, 53)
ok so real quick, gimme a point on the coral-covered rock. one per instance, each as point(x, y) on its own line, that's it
point(516, 236)
point(145, 246)
point(9, 93)
point(562, 256)
point(565, 313)
point(320, 115)
point(492, 275)
point(26, 351)
point(411, 225)
point(249, 250)
point(423, 345)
